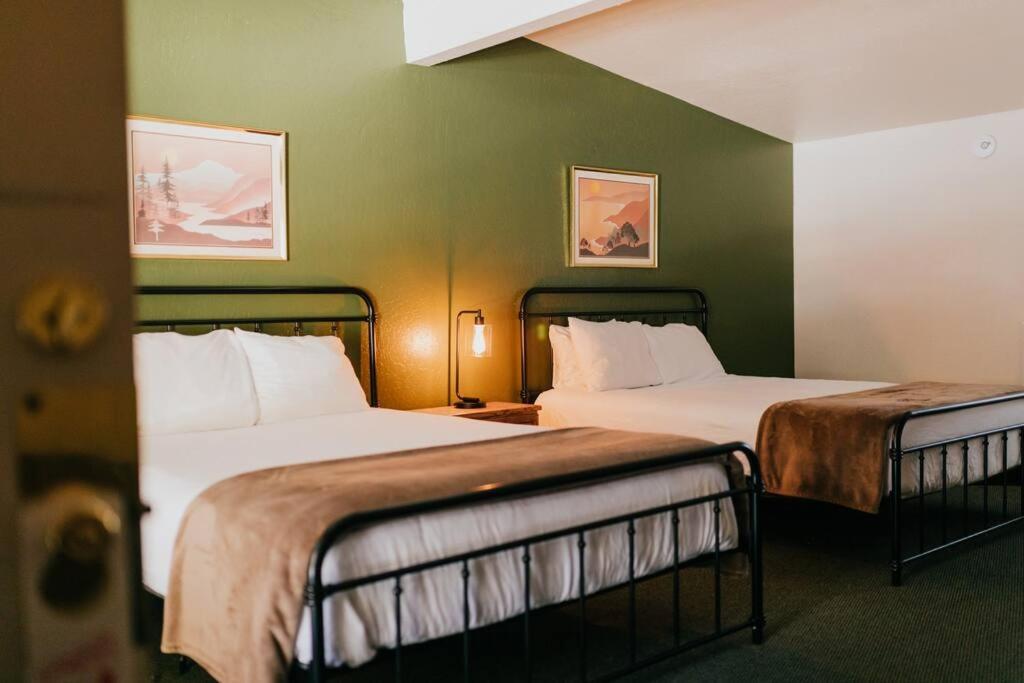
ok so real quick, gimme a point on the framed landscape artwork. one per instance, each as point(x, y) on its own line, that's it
point(614, 218)
point(205, 191)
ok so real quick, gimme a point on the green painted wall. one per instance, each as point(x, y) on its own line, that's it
point(439, 188)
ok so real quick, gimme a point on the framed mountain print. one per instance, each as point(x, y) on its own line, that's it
point(614, 219)
point(206, 192)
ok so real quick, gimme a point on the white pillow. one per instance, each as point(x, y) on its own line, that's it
point(565, 372)
point(299, 377)
point(682, 354)
point(613, 355)
point(192, 383)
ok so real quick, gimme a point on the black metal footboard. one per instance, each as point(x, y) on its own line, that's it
point(317, 592)
point(934, 529)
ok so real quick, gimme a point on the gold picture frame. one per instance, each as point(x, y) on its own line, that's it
point(614, 218)
point(206, 191)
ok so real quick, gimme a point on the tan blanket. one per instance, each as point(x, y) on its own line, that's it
point(833, 448)
point(235, 595)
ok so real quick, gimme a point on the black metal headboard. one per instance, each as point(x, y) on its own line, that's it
point(648, 310)
point(369, 317)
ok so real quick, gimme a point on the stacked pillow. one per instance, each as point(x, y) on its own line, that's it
point(299, 377)
point(682, 353)
point(565, 372)
point(612, 355)
point(620, 355)
point(192, 383)
point(230, 379)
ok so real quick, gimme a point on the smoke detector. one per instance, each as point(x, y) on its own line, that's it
point(984, 147)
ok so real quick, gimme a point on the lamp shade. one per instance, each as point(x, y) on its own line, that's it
point(480, 343)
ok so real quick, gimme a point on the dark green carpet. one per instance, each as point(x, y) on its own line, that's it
point(831, 615)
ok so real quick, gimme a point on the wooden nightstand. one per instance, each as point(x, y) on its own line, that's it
point(512, 413)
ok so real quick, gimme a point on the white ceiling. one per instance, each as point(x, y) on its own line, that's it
point(439, 30)
point(812, 69)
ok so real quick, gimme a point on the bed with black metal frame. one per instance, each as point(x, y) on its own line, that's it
point(317, 591)
point(903, 536)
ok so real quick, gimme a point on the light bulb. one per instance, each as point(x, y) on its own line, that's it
point(479, 346)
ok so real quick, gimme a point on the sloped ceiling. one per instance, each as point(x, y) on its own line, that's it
point(439, 30)
point(811, 69)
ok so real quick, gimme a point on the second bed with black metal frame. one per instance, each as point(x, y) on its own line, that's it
point(695, 311)
point(317, 591)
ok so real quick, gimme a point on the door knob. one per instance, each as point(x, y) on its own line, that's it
point(77, 567)
point(62, 314)
point(74, 541)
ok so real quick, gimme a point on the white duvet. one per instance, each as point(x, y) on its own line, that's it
point(175, 468)
point(729, 408)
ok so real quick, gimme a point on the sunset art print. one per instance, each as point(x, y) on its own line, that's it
point(204, 191)
point(614, 218)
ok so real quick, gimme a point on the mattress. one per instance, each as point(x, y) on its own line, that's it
point(176, 468)
point(729, 408)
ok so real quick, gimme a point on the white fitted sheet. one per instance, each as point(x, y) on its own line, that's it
point(176, 468)
point(729, 408)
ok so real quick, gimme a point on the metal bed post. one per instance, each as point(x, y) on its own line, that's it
point(524, 392)
point(315, 601)
point(371, 345)
point(895, 511)
point(756, 486)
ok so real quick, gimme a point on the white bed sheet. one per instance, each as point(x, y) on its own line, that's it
point(175, 468)
point(729, 408)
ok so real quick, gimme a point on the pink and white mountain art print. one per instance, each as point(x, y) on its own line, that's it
point(614, 220)
point(200, 191)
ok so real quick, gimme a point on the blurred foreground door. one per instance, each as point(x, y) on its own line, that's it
point(68, 472)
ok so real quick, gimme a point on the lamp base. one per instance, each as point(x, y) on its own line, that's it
point(469, 403)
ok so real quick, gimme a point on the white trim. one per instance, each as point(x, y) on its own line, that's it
point(437, 31)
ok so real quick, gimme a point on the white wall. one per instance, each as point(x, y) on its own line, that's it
point(439, 30)
point(909, 253)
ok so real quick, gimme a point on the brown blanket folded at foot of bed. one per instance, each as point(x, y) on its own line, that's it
point(833, 448)
point(240, 563)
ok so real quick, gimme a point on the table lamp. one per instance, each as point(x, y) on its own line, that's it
point(479, 346)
